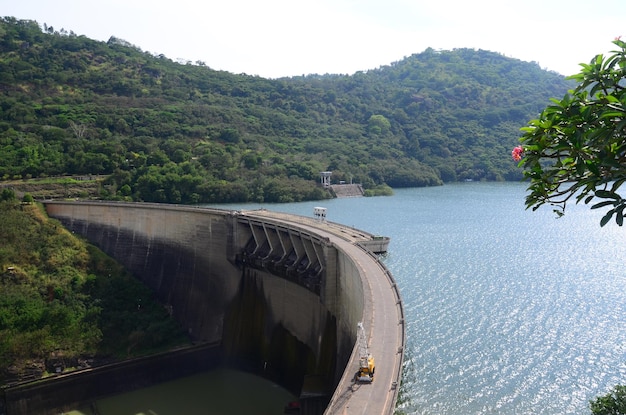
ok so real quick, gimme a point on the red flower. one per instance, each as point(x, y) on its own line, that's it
point(517, 153)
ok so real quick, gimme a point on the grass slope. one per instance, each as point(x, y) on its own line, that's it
point(65, 304)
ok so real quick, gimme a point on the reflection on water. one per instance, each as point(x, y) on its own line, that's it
point(219, 392)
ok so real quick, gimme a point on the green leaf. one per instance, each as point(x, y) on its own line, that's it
point(607, 194)
point(593, 167)
point(611, 114)
point(606, 218)
point(603, 204)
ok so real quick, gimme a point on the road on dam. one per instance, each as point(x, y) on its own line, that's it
point(383, 320)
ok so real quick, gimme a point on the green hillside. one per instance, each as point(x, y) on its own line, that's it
point(183, 133)
point(64, 304)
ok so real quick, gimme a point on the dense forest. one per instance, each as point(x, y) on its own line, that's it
point(165, 131)
point(65, 304)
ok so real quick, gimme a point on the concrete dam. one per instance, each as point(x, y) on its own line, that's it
point(282, 294)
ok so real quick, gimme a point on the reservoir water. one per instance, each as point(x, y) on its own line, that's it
point(508, 311)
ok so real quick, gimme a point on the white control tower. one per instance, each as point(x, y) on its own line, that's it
point(325, 178)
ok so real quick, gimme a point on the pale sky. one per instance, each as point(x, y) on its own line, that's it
point(274, 38)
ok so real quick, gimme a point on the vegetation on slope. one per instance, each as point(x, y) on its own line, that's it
point(183, 133)
point(64, 300)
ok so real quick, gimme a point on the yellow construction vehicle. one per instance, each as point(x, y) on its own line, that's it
point(365, 374)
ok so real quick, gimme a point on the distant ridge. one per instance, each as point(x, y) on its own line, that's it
point(160, 131)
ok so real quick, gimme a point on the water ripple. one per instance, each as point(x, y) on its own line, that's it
point(508, 311)
point(499, 324)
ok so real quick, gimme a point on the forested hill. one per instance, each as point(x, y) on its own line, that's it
point(184, 133)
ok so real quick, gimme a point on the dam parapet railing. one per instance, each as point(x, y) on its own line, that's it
point(347, 389)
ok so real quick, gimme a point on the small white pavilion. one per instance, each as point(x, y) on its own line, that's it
point(325, 178)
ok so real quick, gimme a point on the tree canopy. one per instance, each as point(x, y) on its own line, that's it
point(576, 149)
point(178, 132)
point(613, 403)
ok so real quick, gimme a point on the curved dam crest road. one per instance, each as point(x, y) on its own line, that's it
point(383, 320)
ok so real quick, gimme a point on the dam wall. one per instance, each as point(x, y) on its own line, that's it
point(282, 300)
point(182, 255)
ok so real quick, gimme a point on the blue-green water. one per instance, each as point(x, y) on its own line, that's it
point(508, 311)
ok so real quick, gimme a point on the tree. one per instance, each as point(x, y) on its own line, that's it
point(378, 124)
point(28, 198)
point(576, 149)
point(7, 194)
point(613, 403)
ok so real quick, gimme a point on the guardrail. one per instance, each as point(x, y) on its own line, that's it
point(401, 322)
